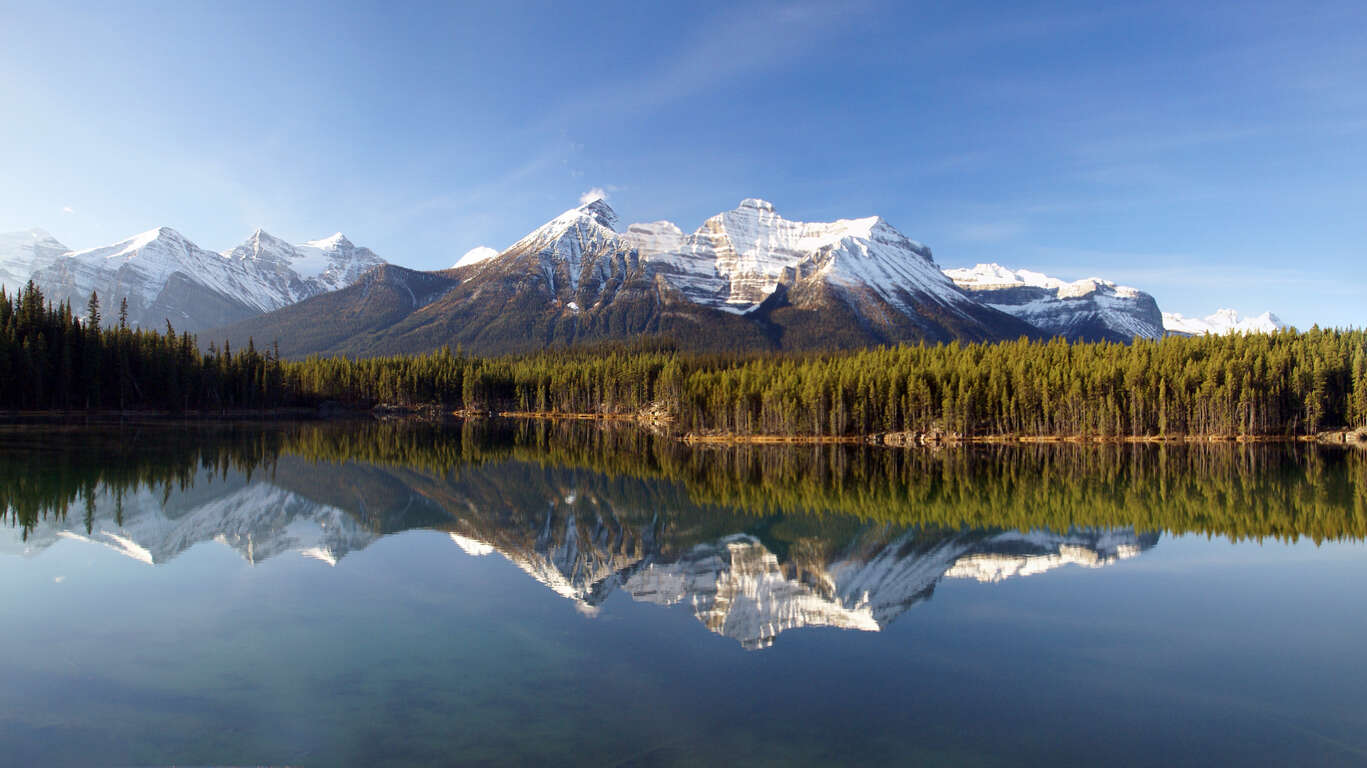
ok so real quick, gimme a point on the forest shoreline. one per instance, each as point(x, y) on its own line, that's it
point(653, 420)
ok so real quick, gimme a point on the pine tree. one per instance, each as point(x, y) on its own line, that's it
point(92, 312)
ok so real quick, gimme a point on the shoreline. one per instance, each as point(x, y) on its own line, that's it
point(654, 420)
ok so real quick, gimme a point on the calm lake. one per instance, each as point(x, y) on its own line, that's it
point(572, 593)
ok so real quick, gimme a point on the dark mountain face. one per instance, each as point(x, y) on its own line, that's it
point(346, 321)
point(576, 281)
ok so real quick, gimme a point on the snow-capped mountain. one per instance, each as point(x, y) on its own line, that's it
point(475, 255)
point(1224, 321)
point(747, 278)
point(164, 276)
point(737, 259)
point(1090, 310)
point(23, 253)
point(304, 270)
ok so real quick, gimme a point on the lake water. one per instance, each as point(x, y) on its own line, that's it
point(518, 593)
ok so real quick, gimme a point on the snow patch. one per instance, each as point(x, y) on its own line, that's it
point(475, 255)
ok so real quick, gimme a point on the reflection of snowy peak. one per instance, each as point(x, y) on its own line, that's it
point(1092, 309)
point(258, 520)
point(1016, 554)
point(738, 588)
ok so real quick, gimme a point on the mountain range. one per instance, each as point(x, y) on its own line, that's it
point(165, 277)
point(746, 279)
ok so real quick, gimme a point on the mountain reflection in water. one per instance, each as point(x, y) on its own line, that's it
point(590, 511)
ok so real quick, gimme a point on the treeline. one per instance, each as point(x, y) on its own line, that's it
point(52, 359)
point(492, 473)
point(1285, 383)
point(1282, 491)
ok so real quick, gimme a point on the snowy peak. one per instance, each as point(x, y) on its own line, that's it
point(1222, 322)
point(586, 219)
point(600, 212)
point(161, 240)
point(994, 276)
point(1091, 309)
point(166, 277)
point(578, 246)
point(479, 253)
point(738, 258)
point(321, 265)
point(25, 252)
point(334, 242)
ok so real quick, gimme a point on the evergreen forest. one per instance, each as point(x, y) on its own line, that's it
point(1284, 384)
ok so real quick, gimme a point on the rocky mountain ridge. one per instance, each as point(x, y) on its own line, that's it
point(745, 279)
point(165, 277)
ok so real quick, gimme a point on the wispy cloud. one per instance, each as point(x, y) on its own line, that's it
point(743, 40)
point(68, 209)
point(594, 193)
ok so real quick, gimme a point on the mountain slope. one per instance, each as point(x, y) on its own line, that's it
point(345, 320)
point(1084, 310)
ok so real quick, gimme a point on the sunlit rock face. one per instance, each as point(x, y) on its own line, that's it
point(738, 258)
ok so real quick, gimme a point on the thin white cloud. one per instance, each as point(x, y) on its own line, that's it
point(727, 46)
point(595, 193)
point(68, 209)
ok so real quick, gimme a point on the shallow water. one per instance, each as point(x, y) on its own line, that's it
point(568, 594)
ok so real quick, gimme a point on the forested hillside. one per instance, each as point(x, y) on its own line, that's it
point(1286, 383)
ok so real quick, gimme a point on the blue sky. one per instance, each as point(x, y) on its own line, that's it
point(1214, 154)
